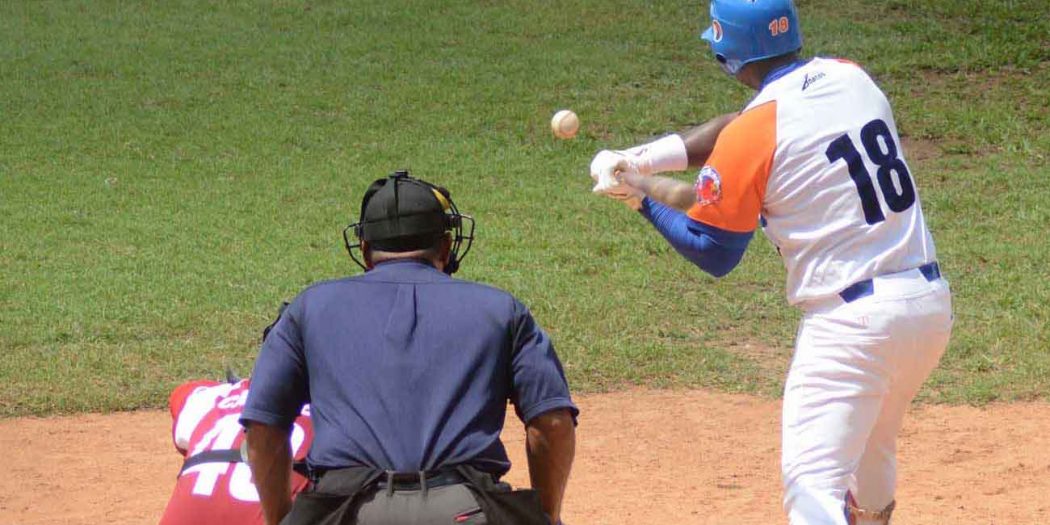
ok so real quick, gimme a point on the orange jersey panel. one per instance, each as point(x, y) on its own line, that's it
point(733, 182)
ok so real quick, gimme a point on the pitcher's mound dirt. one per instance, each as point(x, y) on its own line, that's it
point(643, 457)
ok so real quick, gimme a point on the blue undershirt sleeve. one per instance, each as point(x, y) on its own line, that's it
point(713, 250)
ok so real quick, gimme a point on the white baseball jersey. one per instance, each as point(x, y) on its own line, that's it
point(817, 155)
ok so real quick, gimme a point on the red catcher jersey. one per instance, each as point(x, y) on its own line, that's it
point(817, 155)
point(205, 417)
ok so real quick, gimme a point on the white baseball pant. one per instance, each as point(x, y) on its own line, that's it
point(857, 366)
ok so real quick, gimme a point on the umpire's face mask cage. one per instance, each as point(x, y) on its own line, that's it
point(401, 214)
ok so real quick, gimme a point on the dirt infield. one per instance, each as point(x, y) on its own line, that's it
point(643, 457)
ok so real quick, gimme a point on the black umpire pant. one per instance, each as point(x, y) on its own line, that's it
point(458, 495)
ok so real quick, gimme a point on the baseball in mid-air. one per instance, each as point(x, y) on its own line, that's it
point(565, 124)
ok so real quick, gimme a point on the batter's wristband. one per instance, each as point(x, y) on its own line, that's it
point(662, 155)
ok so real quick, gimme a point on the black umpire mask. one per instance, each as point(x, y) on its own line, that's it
point(402, 214)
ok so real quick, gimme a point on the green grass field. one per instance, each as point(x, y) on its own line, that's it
point(171, 171)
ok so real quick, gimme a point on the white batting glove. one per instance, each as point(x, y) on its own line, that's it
point(665, 154)
point(606, 168)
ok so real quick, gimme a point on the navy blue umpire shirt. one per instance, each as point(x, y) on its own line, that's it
point(406, 369)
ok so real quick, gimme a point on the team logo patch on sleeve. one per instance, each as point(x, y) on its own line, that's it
point(708, 186)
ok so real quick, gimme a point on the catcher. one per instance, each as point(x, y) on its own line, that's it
point(214, 486)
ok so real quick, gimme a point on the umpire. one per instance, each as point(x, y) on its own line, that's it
point(408, 372)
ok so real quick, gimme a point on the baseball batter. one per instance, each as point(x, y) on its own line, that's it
point(815, 159)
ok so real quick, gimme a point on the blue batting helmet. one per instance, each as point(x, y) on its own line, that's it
point(744, 31)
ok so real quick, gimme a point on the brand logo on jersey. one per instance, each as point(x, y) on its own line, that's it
point(811, 79)
point(708, 186)
point(716, 28)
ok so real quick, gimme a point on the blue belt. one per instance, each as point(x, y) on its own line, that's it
point(864, 288)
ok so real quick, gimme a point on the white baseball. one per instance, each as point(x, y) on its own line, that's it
point(565, 124)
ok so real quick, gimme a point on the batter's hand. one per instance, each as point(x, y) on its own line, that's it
point(607, 170)
point(607, 166)
point(627, 194)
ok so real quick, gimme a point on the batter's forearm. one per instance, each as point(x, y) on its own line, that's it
point(270, 458)
point(672, 192)
point(700, 141)
point(551, 447)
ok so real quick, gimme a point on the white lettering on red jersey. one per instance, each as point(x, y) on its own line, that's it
point(205, 416)
point(817, 155)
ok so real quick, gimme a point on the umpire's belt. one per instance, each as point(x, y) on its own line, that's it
point(421, 480)
point(931, 271)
